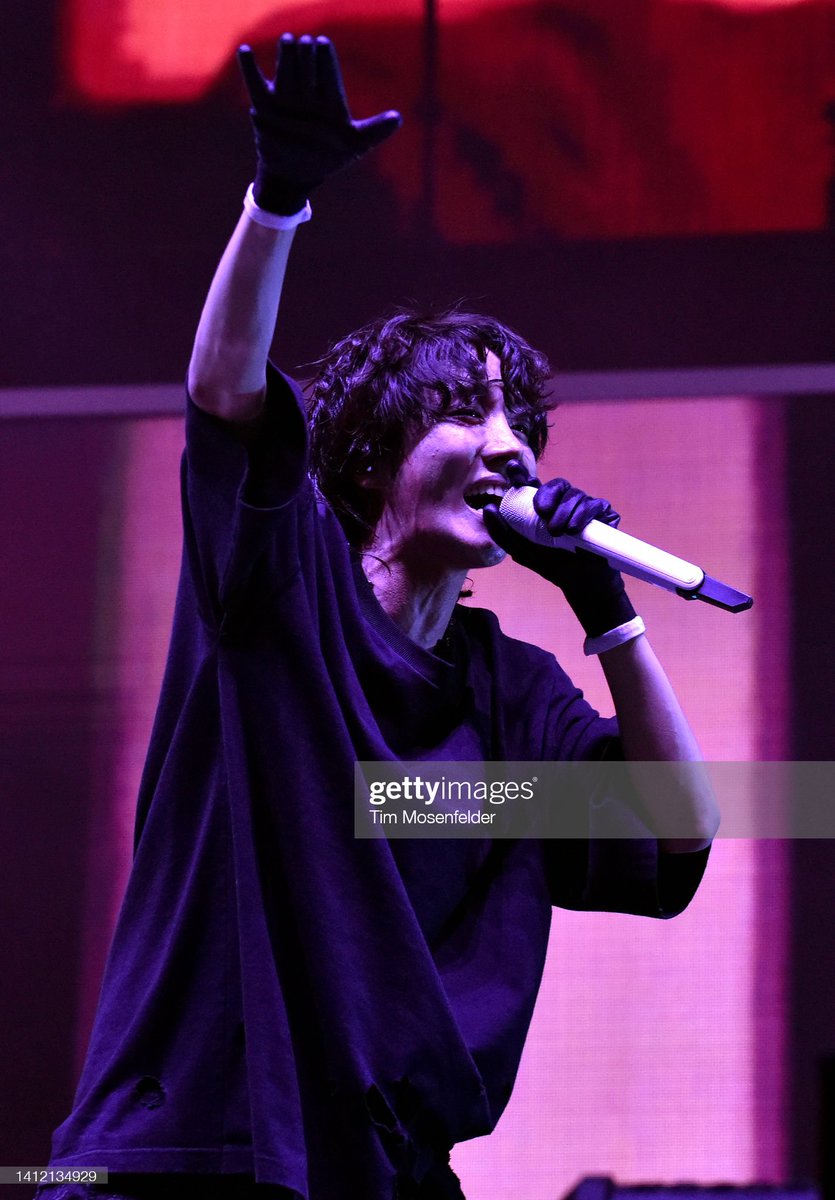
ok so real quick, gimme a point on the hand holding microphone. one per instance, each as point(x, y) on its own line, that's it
point(592, 587)
point(565, 520)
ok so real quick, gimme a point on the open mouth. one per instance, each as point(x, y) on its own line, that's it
point(480, 499)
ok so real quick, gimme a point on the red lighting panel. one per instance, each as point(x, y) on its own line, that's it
point(583, 118)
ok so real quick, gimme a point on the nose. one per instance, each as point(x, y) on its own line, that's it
point(501, 445)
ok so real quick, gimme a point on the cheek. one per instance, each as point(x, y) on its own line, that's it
point(446, 467)
point(438, 467)
point(420, 487)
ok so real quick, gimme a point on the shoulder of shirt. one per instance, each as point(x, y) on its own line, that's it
point(483, 626)
point(278, 380)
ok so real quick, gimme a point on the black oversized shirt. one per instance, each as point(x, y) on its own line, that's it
point(282, 998)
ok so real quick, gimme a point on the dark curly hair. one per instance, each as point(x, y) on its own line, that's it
point(390, 381)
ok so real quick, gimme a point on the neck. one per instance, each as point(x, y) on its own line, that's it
point(420, 602)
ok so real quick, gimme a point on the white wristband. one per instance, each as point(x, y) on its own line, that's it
point(275, 220)
point(615, 637)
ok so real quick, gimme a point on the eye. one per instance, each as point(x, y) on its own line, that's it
point(465, 410)
point(522, 429)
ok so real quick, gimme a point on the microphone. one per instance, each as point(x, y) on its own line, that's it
point(626, 553)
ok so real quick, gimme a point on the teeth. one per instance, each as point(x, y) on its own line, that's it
point(481, 494)
point(487, 489)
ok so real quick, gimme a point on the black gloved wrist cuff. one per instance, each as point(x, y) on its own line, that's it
point(279, 195)
point(602, 609)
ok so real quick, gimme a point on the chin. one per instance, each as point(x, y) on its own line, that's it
point(491, 556)
point(470, 556)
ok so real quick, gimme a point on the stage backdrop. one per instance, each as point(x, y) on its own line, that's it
point(635, 184)
point(583, 117)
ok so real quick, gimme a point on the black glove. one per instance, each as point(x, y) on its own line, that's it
point(594, 589)
point(303, 129)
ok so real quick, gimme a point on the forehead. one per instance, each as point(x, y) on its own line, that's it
point(493, 367)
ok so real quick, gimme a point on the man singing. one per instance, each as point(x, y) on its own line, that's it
point(289, 1011)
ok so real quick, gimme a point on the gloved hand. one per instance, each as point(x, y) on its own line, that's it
point(594, 589)
point(303, 128)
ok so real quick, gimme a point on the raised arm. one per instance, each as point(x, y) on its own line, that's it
point(303, 134)
point(227, 372)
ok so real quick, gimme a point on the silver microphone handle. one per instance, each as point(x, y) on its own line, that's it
point(629, 554)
